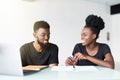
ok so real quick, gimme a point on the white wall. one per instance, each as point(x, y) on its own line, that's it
point(66, 18)
point(115, 39)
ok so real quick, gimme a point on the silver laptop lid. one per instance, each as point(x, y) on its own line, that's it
point(10, 60)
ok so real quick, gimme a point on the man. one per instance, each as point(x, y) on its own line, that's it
point(40, 51)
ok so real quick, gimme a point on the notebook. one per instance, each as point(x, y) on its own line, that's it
point(10, 61)
point(33, 68)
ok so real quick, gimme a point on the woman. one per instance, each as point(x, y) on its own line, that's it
point(90, 52)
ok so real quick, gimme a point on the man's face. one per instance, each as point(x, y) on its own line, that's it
point(42, 36)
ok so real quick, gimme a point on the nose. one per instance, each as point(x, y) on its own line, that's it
point(46, 37)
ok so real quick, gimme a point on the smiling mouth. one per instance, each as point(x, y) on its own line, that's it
point(45, 42)
point(82, 41)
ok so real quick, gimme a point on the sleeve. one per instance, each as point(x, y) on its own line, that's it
point(106, 49)
point(76, 49)
point(23, 54)
point(54, 55)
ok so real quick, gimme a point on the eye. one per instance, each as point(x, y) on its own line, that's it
point(42, 35)
point(85, 34)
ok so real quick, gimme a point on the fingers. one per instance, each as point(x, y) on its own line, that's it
point(79, 56)
point(68, 62)
point(74, 60)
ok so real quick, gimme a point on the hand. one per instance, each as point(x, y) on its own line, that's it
point(70, 61)
point(79, 56)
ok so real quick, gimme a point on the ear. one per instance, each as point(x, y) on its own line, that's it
point(94, 36)
point(35, 35)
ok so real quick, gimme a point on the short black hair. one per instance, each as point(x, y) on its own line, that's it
point(95, 23)
point(40, 24)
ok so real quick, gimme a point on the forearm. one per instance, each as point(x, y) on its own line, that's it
point(99, 62)
point(54, 64)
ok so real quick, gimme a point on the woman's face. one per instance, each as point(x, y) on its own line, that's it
point(87, 36)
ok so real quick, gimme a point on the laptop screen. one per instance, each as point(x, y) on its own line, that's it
point(10, 60)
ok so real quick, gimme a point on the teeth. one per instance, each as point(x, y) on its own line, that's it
point(45, 41)
point(82, 41)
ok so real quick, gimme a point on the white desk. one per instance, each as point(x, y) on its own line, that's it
point(47, 74)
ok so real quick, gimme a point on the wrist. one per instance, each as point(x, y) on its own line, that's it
point(86, 57)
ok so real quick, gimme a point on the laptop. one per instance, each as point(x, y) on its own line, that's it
point(10, 61)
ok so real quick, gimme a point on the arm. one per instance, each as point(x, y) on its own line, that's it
point(23, 56)
point(107, 62)
point(54, 64)
point(53, 59)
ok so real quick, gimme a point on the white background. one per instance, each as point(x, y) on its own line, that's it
point(66, 18)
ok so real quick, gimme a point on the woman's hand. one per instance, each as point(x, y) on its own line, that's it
point(70, 61)
point(107, 62)
point(79, 56)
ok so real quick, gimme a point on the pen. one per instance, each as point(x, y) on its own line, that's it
point(72, 61)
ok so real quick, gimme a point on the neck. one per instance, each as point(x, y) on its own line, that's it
point(38, 48)
point(92, 46)
point(92, 49)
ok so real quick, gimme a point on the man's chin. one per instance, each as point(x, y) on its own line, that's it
point(83, 44)
point(45, 43)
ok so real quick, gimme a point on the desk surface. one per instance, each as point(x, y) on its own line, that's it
point(48, 74)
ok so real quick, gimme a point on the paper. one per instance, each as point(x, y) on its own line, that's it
point(88, 68)
point(62, 68)
point(77, 68)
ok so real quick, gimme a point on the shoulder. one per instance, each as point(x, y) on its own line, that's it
point(104, 48)
point(53, 48)
point(26, 45)
point(78, 45)
point(53, 45)
point(103, 45)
